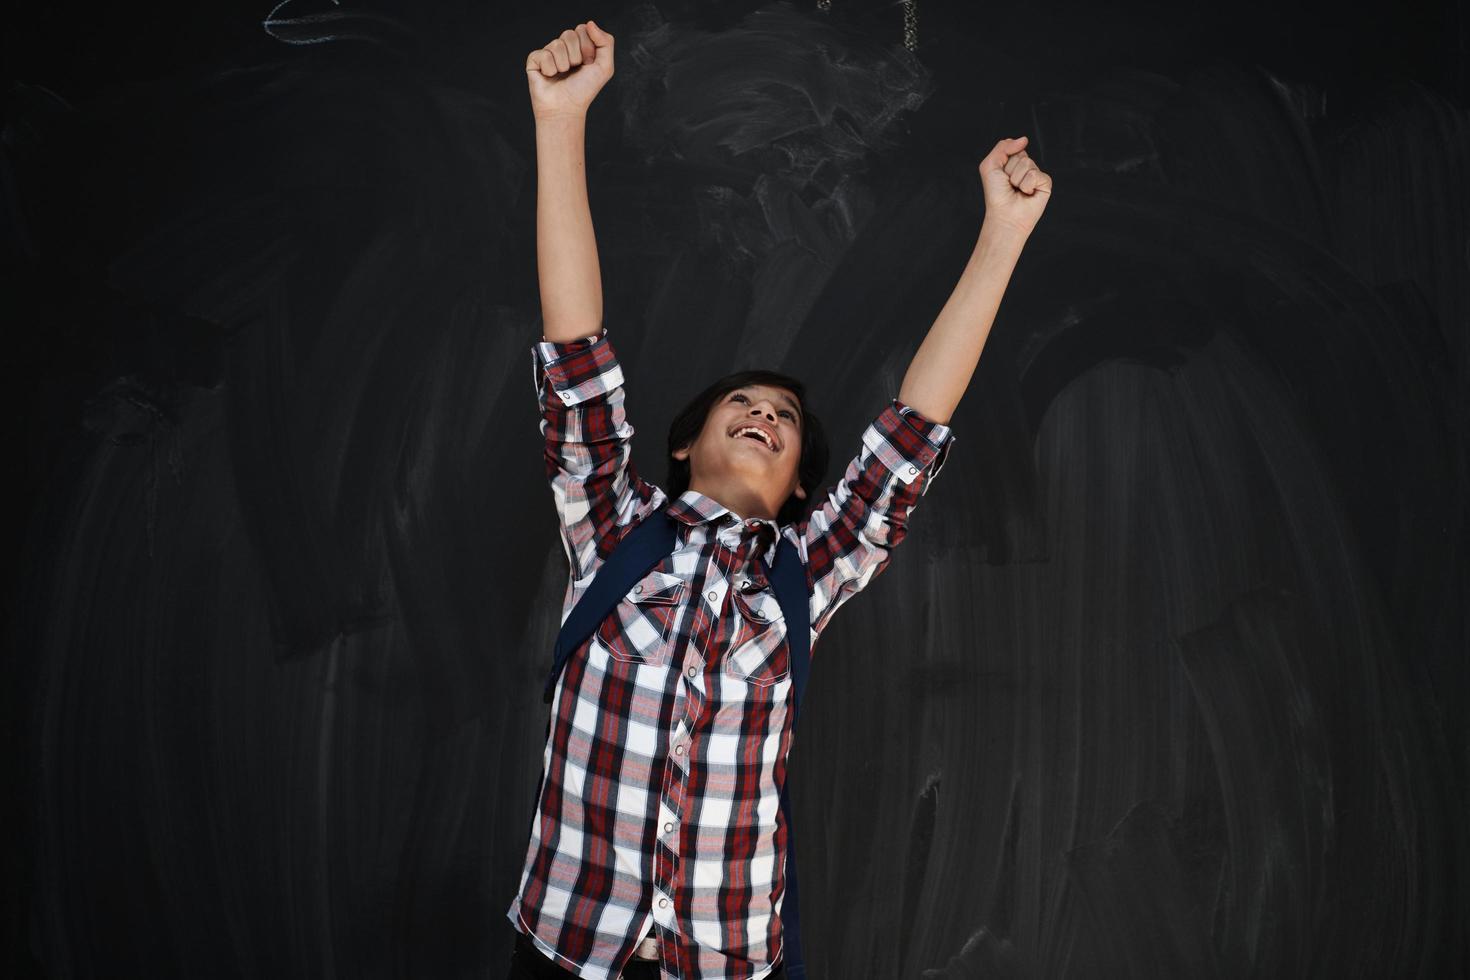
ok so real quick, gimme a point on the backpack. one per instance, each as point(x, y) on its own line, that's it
point(647, 544)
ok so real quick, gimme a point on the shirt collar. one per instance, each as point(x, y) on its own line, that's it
point(693, 508)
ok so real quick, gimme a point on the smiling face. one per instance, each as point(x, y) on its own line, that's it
point(747, 455)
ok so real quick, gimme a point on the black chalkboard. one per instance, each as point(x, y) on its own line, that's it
point(1169, 680)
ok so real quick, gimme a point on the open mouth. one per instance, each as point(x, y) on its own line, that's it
point(758, 434)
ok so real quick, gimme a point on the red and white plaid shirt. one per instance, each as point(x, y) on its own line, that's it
point(669, 731)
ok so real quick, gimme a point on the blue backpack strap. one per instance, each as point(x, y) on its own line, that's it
point(791, 955)
point(794, 597)
point(650, 542)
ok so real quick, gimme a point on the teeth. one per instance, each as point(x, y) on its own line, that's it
point(764, 436)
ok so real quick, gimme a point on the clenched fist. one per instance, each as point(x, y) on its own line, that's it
point(1016, 189)
point(566, 75)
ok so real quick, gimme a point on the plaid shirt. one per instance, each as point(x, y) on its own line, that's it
point(670, 727)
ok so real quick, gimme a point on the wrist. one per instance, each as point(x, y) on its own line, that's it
point(996, 235)
point(561, 119)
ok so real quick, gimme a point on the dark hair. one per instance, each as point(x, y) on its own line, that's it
point(811, 471)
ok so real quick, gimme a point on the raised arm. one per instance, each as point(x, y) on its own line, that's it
point(579, 382)
point(1016, 192)
point(564, 77)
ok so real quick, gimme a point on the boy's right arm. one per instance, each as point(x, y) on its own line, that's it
point(579, 383)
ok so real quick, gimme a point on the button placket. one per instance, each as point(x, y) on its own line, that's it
point(665, 867)
point(678, 756)
point(661, 905)
point(668, 818)
point(693, 666)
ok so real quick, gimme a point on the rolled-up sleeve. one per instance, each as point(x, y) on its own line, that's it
point(849, 538)
point(588, 445)
point(912, 446)
point(578, 370)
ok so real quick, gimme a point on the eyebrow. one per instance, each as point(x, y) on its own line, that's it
point(784, 397)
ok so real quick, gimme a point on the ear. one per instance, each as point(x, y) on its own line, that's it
point(681, 454)
point(800, 492)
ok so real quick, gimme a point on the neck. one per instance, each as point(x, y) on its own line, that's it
point(742, 501)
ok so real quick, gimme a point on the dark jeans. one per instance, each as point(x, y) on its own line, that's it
point(529, 963)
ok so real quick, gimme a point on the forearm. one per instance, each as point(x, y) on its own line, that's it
point(944, 363)
point(566, 248)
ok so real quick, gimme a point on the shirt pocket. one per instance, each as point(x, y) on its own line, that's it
point(638, 631)
point(760, 656)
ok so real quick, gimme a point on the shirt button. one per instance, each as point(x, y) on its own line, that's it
point(713, 595)
point(678, 750)
point(637, 588)
point(759, 614)
point(692, 672)
point(663, 903)
point(913, 469)
point(668, 827)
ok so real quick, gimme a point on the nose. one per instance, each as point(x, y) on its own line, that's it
point(761, 410)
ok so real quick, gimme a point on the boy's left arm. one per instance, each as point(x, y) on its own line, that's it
point(849, 538)
point(1016, 192)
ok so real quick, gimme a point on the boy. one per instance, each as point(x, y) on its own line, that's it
point(657, 845)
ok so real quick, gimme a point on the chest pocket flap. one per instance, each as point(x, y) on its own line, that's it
point(639, 630)
point(658, 588)
point(760, 656)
